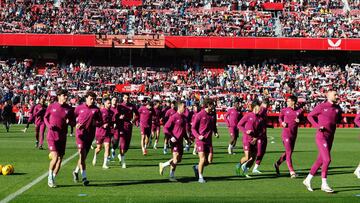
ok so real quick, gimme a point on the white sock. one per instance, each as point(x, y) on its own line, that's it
point(256, 167)
point(357, 169)
point(51, 173)
point(122, 159)
point(167, 163)
point(172, 173)
point(165, 146)
point(77, 169)
point(309, 177)
point(54, 175)
point(83, 174)
point(95, 156)
point(105, 161)
point(201, 176)
point(323, 181)
point(230, 146)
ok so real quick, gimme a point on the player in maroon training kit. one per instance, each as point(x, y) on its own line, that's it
point(38, 113)
point(155, 126)
point(250, 127)
point(167, 113)
point(146, 114)
point(232, 118)
point(175, 129)
point(88, 117)
point(324, 117)
point(114, 132)
point(203, 128)
point(57, 118)
point(290, 119)
point(357, 122)
point(103, 133)
point(262, 139)
point(126, 116)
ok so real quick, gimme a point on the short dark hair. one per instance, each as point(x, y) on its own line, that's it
point(255, 103)
point(180, 103)
point(107, 99)
point(293, 98)
point(61, 92)
point(90, 94)
point(207, 102)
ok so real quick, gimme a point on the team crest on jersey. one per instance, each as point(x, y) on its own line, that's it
point(325, 145)
point(93, 112)
point(337, 110)
point(287, 140)
point(287, 112)
point(54, 110)
point(297, 113)
point(325, 109)
point(251, 119)
point(177, 120)
point(81, 111)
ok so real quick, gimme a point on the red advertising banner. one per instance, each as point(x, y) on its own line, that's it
point(65, 40)
point(179, 42)
point(131, 2)
point(262, 43)
point(128, 88)
point(273, 6)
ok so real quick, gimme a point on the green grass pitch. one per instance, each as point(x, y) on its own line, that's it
point(141, 182)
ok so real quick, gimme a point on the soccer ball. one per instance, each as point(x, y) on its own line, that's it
point(1, 169)
point(50, 157)
point(6, 170)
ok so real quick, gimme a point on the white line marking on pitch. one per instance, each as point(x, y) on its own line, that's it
point(34, 182)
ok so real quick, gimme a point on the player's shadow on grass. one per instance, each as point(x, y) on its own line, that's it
point(18, 174)
point(118, 183)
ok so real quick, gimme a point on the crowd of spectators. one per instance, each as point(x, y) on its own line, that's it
point(25, 82)
point(300, 18)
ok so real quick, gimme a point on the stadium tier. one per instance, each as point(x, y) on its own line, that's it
point(315, 19)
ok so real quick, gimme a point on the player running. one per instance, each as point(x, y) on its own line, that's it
point(7, 114)
point(169, 112)
point(114, 131)
point(290, 119)
point(262, 140)
point(103, 133)
point(88, 117)
point(232, 118)
point(155, 126)
point(146, 114)
point(203, 128)
point(324, 117)
point(126, 116)
point(357, 122)
point(30, 119)
point(38, 113)
point(175, 129)
point(250, 126)
point(57, 118)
